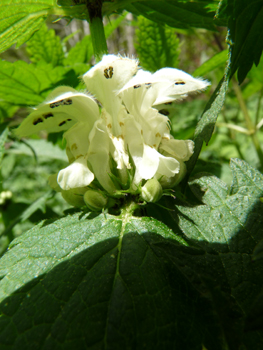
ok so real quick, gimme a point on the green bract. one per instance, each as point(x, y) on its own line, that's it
point(116, 137)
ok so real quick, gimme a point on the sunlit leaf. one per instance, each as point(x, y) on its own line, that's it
point(45, 46)
point(208, 66)
point(157, 45)
point(27, 85)
point(19, 19)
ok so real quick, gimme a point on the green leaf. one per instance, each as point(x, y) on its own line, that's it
point(80, 53)
point(258, 251)
point(7, 110)
point(19, 19)
point(251, 88)
point(41, 148)
point(39, 204)
point(205, 126)
point(88, 281)
point(45, 46)
point(174, 13)
point(245, 22)
point(113, 24)
point(216, 61)
point(99, 281)
point(96, 282)
point(232, 210)
point(256, 73)
point(227, 225)
point(157, 45)
point(27, 85)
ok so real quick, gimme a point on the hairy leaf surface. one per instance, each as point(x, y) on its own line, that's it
point(228, 226)
point(26, 85)
point(19, 19)
point(157, 45)
point(102, 281)
point(45, 46)
point(95, 282)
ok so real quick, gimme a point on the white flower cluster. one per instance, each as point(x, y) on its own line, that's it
point(116, 137)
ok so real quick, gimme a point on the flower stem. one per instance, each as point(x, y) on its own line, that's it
point(128, 209)
point(96, 29)
point(259, 106)
point(248, 121)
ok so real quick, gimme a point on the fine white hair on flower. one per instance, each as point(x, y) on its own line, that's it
point(116, 137)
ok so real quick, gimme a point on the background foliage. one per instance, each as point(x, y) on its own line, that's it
point(183, 275)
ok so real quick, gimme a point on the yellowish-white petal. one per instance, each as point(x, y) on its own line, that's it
point(99, 155)
point(170, 182)
point(60, 111)
point(174, 84)
point(180, 149)
point(75, 175)
point(107, 77)
point(168, 166)
point(77, 139)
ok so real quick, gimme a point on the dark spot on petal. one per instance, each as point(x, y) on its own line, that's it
point(179, 83)
point(108, 72)
point(69, 120)
point(62, 123)
point(168, 103)
point(136, 86)
point(68, 101)
point(148, 85)
point(48, 115)
point(164, 112)
point(37, 121)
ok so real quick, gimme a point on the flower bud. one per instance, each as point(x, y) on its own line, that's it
point(95, 200)
point(152, 191)
point(74, 197)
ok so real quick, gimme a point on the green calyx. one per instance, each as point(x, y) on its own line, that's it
point(95, 200)
point(152, 191)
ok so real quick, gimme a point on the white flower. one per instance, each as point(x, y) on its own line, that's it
point(115, 134)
